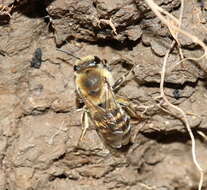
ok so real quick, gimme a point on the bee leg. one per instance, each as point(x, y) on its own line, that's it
point(129, 107)
point(122, 79)
point(85, 126)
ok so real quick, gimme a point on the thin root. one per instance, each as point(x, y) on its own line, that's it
point(174, 27)
point(202, 135)
point(51, 140)
point(4, 10)
point(108, 22)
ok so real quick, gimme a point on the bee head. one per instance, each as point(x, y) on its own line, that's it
point(87, 62)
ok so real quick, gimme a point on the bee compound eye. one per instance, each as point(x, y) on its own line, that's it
point(75, 68)
point(97, 60)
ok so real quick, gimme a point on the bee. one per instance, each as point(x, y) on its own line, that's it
point(109, 112)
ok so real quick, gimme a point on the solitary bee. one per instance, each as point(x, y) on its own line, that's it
point(109, 113)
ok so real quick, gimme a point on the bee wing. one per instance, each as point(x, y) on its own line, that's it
point(90, 105)
point(110, 103)
point(117, 133)
point(111, 123)
point(98, 115)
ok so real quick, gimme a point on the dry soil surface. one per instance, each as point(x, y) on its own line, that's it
point(39, 127)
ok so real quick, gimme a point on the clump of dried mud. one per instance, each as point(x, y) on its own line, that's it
point(39, 131)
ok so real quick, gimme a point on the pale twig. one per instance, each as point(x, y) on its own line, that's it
point(180, 22)
point(183, 115)
point(57, 132)
point(4, 10)
point(108, 22)
point(175, 27)
point(202, 134)
point(145, 108)
point(147, 186)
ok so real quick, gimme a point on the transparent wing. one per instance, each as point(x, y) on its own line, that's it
point(111, 122)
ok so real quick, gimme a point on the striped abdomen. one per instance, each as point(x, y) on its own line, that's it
point(113, 126)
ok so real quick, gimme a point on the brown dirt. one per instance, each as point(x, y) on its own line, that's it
point(39, 131)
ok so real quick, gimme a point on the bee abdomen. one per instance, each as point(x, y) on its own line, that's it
point(121, 121)
point(115, 128)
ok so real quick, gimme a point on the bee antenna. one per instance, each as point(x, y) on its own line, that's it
point(69, 53)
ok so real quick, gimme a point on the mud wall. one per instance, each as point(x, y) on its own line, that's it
point(39, 129)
